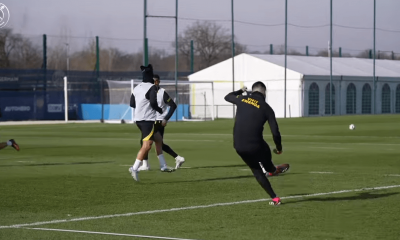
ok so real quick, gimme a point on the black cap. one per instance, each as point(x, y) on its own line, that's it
point(147, 73)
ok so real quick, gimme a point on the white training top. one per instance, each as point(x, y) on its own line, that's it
point(143, 110)
point(161, 103)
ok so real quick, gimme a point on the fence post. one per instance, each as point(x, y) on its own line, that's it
point(97, 57)
point(392, 55)
point(340, 52)
point(191, 56)
point(271, 49)
point(370, 54)
point(44, 66)
point(307, 51)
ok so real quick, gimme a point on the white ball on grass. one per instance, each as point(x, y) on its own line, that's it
point(352, 127)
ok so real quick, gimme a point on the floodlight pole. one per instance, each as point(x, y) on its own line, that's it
point(374, 80)
point(145, 46)
point(233, 53)
point(284, 100)
point(176, 59)
point(145, 34)
point(330, 57)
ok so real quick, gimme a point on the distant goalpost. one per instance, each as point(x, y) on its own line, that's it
point(195, 101)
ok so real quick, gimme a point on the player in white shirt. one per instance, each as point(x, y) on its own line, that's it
point(164, 101)
point(144, 101)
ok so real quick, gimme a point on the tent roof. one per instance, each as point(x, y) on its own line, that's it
point(308, 65)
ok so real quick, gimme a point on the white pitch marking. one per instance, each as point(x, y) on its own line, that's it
point(106, 233)
point(393, 175)
point(26, 161)
point(245, 169)
point(322, 172)
point(191, 207)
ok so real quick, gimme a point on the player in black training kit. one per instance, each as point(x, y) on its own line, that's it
point(10, 142)
point(252, 113)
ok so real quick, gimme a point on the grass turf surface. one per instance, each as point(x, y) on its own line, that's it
point(81, 170)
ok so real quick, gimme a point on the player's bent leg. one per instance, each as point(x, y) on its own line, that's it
point(3, 145)
point(134, 170)
point(144, 164)
point(169, 150)
point(144, 150)
point(163, 165)
point(178, 159)
point(282, 168)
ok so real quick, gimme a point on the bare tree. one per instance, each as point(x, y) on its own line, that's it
point(17, 51)
point(212, 43)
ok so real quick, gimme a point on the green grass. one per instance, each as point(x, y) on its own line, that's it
point(79, 170)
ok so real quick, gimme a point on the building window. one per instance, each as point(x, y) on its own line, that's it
point(398, 99)
point(328, 98)
point(366, 101)
point(313, 100)
point(386, 99)
point(351, 99)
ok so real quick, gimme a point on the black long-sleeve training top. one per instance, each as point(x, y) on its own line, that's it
point(252, 113)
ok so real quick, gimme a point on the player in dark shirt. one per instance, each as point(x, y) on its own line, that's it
point(10, 142)
point(252, 113)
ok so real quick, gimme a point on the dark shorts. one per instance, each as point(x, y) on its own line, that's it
point(160, 128)
point(258, 154)
point(147, 128)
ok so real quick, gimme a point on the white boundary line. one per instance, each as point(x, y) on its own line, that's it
point(323, 172)
point(192, 207)
point(106, 233)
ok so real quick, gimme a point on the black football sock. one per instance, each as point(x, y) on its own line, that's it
point(169, 150)
point(263, 181)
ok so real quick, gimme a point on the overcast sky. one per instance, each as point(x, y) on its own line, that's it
point(123, 19)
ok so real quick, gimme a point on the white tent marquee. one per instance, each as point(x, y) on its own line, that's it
point(307, 85)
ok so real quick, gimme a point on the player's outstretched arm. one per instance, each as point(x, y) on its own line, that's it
point(273, 124)
point(233, 96)
point(171, 104)
point(152, 96)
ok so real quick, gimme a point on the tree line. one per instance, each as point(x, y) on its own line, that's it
point(211, 44)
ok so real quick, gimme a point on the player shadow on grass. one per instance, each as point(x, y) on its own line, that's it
point(206, 180)
point(359, 196)
point(214, 179)
point(52, 164)
point(223, 166)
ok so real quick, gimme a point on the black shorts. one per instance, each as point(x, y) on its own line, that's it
point(260, 154)
point(148, 128)
point(160, 128)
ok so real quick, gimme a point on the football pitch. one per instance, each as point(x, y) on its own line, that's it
point(71, 181)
